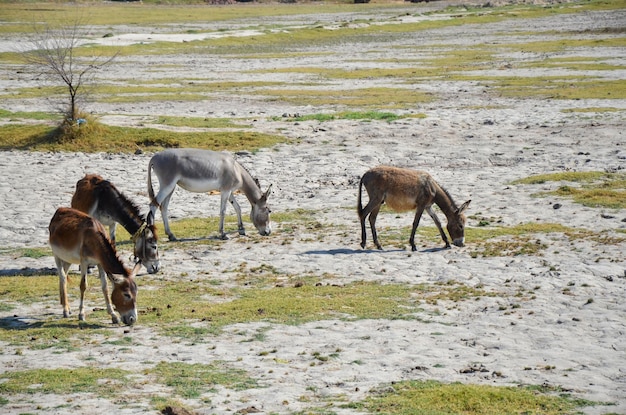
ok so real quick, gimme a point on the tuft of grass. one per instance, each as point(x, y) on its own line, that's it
point(190, 381)
point(432, 397)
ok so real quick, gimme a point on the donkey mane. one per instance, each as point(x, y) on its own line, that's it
point(449, 196)
point(258, 184)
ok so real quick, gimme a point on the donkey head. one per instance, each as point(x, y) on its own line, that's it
point(124, 296)
point(456, 225)
point(260, 214)
point(146, 249)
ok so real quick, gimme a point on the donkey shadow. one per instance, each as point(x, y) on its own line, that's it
point(27, 272)
point(349, 251)
point(16, 322)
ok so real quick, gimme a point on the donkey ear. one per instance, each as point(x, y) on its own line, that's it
point(116, 278)
point(136, 268)
point(463, 207)
point(150, 219)
point(267, 192)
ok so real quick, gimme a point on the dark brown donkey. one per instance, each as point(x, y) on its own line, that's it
point(403, 190)
point(100, 199)
point(77, 238)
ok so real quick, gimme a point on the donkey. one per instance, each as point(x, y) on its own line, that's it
point(77, 238)
point(404, 190)
point(100, 199)
point(202, 171)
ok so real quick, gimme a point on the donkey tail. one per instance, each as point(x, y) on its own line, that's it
point(150, 189)
point(359, 206)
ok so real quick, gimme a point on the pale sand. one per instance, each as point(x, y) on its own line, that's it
point(475, 146)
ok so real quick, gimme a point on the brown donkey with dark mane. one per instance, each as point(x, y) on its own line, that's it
point(403, 190)
point(77, 238)
point(100, 199)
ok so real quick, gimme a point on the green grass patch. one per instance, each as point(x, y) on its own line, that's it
point(435, 398)
point(564, 44)
point(291, 304)
point(49, 331)
point(28, 290)
point(123, 139)
point(493, 241)
point(523, 239)
point(598, 110)
point(384, 98)
point(195, 309)
point(21, 115)
point(553, 87)
point(191, 381)
point(576, 63)
point(102, 382)
point(597, 189)
point(200, 122)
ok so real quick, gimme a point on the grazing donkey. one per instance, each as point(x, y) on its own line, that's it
point(202, 171)
point(77, 238)
point(403, 190)
point(100, 199)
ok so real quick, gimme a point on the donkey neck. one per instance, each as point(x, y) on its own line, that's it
point(249, 186)
point(444, 201)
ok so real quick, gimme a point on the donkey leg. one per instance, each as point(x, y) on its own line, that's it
point(235, 204)
point(225, 197)
point(363, 231)
point(363, 214)
point(166, 223)
point(373, 217)
point(83, 288)
point(105, 291)
point(416, 222)
point(62, 268)
point(436, 220)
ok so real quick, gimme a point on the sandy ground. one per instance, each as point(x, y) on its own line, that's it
point(474, 144)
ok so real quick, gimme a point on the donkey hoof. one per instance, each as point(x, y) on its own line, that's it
point(81, 317)
point(115, 319)
point(66, 314)
point(172, 238)
point(413, 248)
point(242, 232)
point(224, 237)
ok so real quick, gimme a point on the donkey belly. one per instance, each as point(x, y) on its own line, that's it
point(400, 202)
point(71, 256)
point(199, 185)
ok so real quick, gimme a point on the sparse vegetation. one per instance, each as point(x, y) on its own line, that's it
point(412, 397)
point(598, 189)
point(191, 381)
